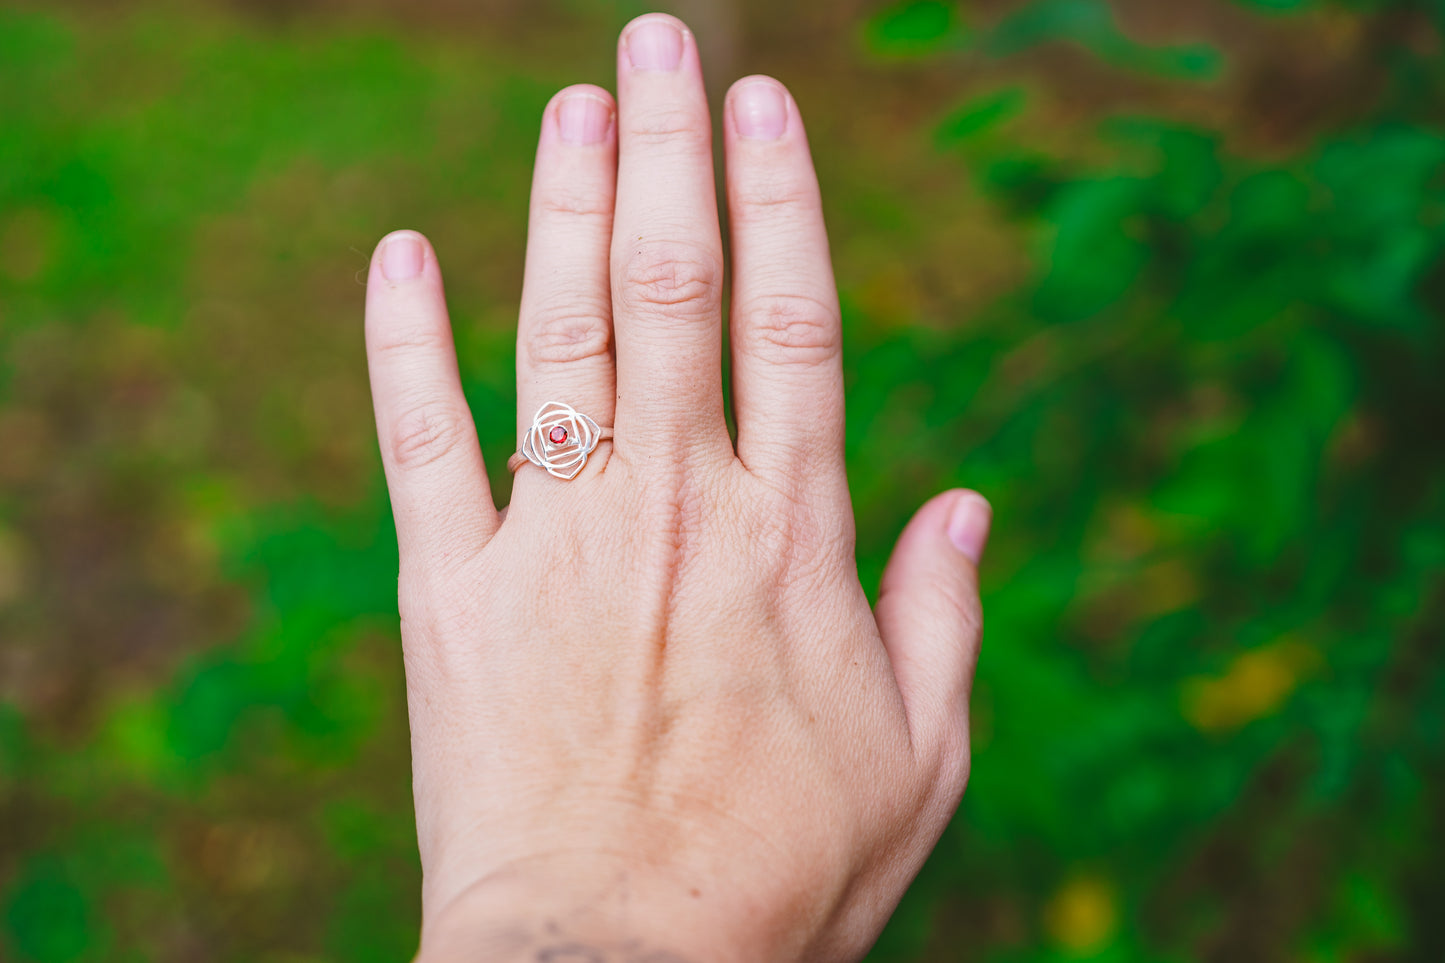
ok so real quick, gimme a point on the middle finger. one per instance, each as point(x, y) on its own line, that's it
point(667, 258)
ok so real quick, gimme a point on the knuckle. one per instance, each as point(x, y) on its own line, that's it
point(939, 720)
point(678, 276)
point(674, 128)
point(942, 596)
point(785, 532)
point(774, 538)
point(563, 336)
point(773, 197)
point(561, 203)
point(951, 763)
point(436, 624)
point(791, 328)
point(428, 432)
point(410, 343)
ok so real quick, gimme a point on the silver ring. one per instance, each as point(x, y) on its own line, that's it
point(560, 439)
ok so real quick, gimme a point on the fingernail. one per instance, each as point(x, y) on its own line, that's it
point(968, 525)
point(760, 111)
point(402, 258)
point(655, 45)
point(583, 119)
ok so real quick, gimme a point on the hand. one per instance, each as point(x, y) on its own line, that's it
point(653, 717)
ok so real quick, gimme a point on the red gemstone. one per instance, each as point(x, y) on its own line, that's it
point(557, 435)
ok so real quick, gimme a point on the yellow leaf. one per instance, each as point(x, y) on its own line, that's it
point(1083, 914)
point(1255, 685)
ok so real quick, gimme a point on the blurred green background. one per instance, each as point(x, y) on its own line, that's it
point(1164, 280)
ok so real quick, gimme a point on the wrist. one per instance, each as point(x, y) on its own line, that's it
point(597, 909)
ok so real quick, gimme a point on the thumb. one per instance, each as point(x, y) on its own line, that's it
point(929, 615)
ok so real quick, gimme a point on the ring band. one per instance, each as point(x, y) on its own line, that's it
point(560, 439)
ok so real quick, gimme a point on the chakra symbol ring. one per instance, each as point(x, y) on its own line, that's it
point(560, 439)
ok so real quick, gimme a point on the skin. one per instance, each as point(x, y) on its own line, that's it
point(653, 716)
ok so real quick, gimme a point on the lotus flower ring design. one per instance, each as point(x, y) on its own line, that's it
point(560, 439)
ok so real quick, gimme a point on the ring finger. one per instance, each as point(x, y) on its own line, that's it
point(564, 331)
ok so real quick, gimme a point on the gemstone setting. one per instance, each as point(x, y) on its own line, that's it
point(560, 439)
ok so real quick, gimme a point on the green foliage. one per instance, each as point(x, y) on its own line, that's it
point(1211, 330)
point(927, 27)
point(1276, 5)
point(980, 115)
point(49, 918)
point(915, 27)
point(1192, 360)
point(1091, 24)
